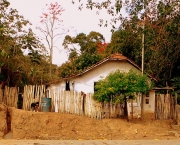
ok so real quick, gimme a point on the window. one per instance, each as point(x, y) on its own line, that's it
point(67, 86)
point(147, 101)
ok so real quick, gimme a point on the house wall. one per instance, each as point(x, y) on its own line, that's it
point(134, 112)
point(149, 108)
point(85, 82)
point(61, 85)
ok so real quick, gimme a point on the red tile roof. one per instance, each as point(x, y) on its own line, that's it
point(116, 56)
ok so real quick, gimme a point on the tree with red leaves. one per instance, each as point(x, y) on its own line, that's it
point(101, 47)
point(51, 23)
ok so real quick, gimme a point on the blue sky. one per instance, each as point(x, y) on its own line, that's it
point(83, 21)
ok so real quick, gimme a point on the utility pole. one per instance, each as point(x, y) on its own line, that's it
point(143, 26)
point(142, 98)
point(143, 47)
point(142, 65)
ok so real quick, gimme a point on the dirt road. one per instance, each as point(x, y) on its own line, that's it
point(89, 142)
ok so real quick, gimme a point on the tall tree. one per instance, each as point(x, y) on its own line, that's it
point(85, 50)
point(11, 35)
point(126, 41)
point(14, 39)
point(87, 43)
point(53, 27)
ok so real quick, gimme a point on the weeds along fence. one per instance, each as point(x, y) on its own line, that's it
point(9, 96)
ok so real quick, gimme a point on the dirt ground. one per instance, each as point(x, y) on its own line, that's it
point(58, 126)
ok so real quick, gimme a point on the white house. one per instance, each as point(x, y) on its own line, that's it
point(86, 80)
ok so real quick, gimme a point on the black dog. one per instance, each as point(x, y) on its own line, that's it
point(35, 107)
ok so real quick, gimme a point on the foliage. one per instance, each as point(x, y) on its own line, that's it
point(86, 60)
point(66, 69)
point(161, 20)
point(176, 83)
point(118, 85)
point(162, 45)
point(87, 43)
point(127, 42)
point(85, 50)
point(16, 67)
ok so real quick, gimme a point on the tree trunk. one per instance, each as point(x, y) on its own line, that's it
point(125, 109)
point(50, 67)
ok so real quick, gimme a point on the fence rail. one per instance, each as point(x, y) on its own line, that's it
point(32, 93)
point(76, 103)
point(165, 106)
point(62, 101)
point(9, 95)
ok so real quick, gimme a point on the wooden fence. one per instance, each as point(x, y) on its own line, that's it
point(9, 96)
point(165, 106)
point(62, 101)
point(71, 102)
point(77, 103)
point(32, 93)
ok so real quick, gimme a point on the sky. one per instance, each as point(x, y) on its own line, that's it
point(82, 21)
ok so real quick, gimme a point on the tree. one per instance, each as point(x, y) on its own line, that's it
point(116, 9)
point(126, 41)
point(157, 20)
point(12, 34)
point(119, 85)
point(164, 45)
point(52, 24)
point(85, 50)
point(15, 65)
point(87, 43)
